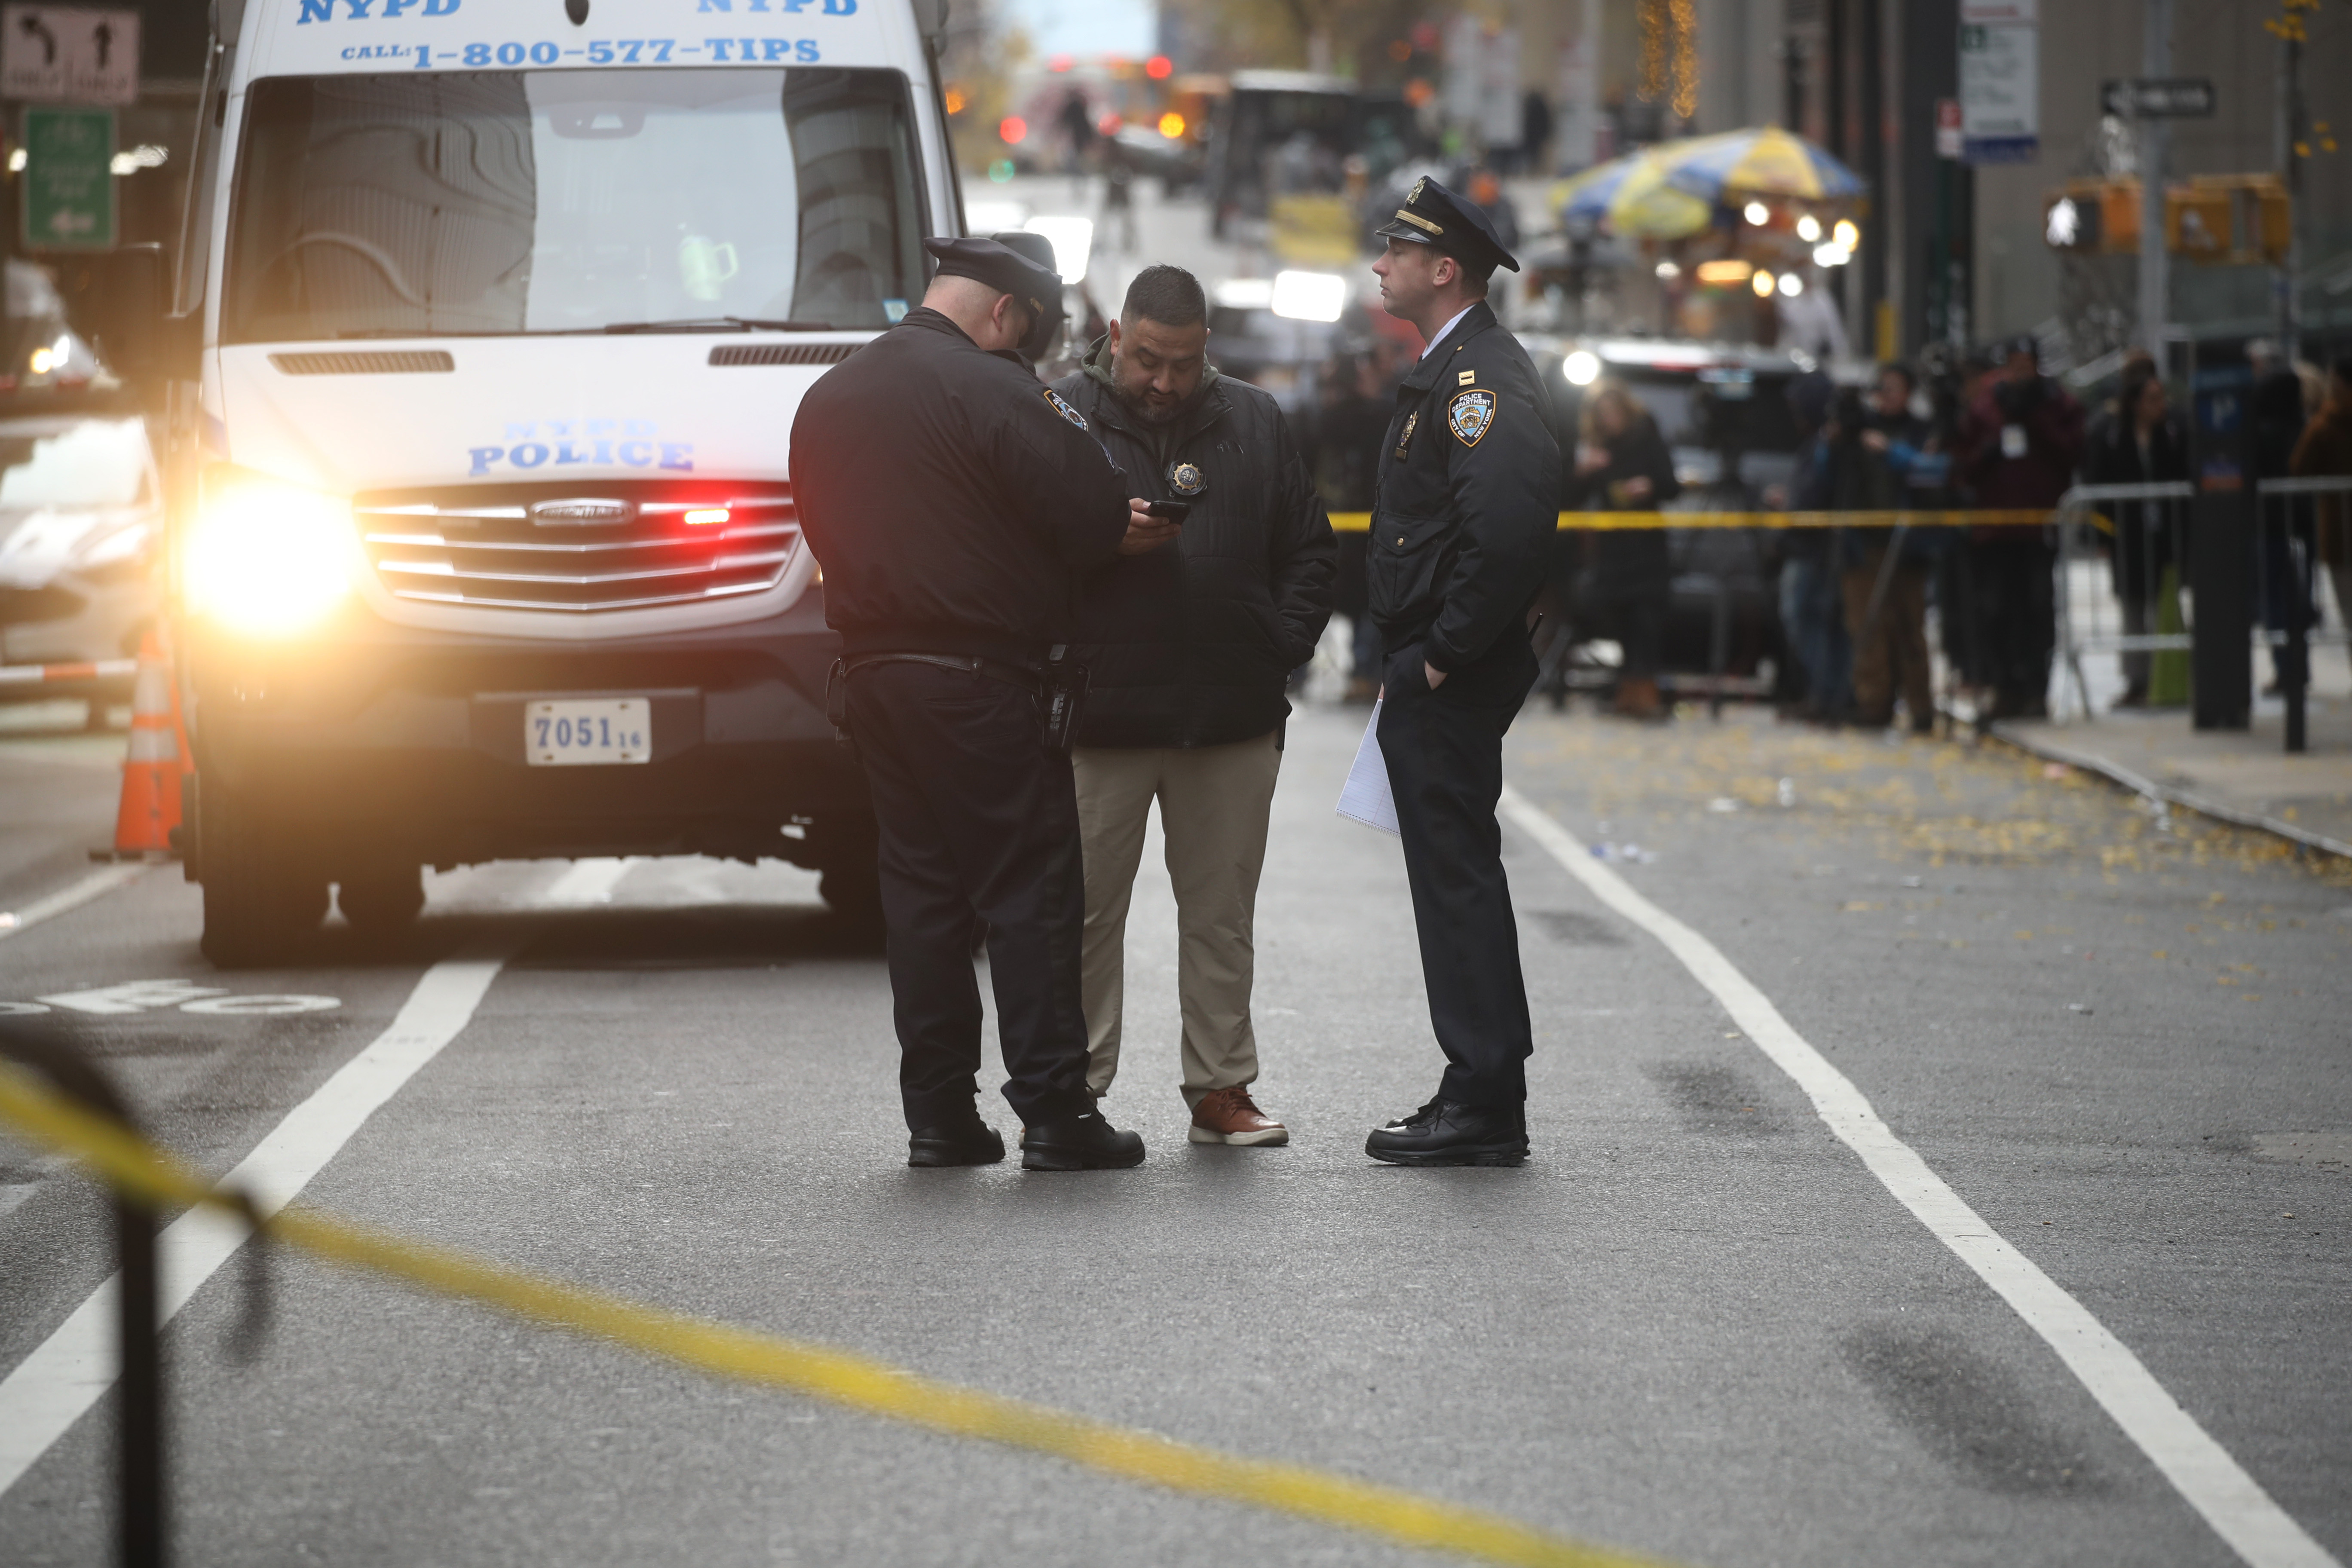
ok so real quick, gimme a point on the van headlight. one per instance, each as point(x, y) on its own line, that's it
point(266, 558)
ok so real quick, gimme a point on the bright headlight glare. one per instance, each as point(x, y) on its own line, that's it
point(1582, 368)
point(266, 558)
point(1309, 296)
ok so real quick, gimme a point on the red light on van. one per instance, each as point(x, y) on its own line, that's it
point(707, 516)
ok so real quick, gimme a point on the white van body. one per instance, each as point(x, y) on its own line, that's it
point(501, 309)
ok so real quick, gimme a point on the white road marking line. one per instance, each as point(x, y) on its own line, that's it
point(98, 884)
point(2231, 1500)
point(47, 1391)
point(588, 882)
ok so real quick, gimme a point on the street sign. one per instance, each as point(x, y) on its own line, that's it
point(67, 197)
point(2157, 97)
point(2001, 91)
point(60, 53)
point(1949, 141)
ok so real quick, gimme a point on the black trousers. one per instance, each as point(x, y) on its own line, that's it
point(977, 820)
point(1445, 755)
point(2017, 599)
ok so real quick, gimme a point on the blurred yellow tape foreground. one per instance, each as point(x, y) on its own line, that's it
point(146, 1174)
point(1978, 516)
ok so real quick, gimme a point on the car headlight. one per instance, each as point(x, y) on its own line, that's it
point(265, 557)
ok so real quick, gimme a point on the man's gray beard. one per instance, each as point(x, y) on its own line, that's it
point(1141, 407)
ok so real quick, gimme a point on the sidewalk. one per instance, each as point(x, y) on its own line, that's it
point(2240, 776)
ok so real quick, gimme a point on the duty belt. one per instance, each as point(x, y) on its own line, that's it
point(1059, 689)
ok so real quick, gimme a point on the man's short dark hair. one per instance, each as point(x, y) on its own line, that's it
point(1167, 295)
point(1901, 368)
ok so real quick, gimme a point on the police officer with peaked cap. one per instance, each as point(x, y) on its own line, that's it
point(953, 502)
point(1463, 513)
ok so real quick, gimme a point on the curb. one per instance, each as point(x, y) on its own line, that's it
point(2188, 800)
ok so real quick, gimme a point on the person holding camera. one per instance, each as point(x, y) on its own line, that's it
point(953, 503)
point(1187, 651)
point(2019, 443)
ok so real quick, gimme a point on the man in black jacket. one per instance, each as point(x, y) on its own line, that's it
point(1188, 650)
point(953, 503)
point(1461, 534)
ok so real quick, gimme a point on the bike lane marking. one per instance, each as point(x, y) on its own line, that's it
point(2200, 1469)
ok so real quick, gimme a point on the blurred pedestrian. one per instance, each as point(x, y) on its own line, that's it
point(2140, 441)
point(1076, 122)
point(1350, 425)
point(2019, 443)
point(1892, 464)
point(1813, 615)
point(1469, 500)
point(2274, 421)
point(2325, 448)
point(1118, 196)
point(952, 502)
point(1622, 464)
point(1188, 650)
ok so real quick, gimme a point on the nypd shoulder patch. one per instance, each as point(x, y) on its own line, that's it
point(1061, 406)
point(1471, 414)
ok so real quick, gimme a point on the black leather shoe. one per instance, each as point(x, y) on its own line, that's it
point(973, 1142)
point(1083, 1143)
point(1448, 1133)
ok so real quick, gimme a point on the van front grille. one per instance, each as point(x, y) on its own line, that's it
point(582, 548)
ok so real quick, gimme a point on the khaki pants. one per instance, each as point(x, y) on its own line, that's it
point(1897, 647)
point(1213, 801)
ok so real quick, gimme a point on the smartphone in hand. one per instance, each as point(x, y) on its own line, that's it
point(1172, 511)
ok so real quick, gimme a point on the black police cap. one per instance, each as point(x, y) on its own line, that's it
point(1435, 216)
point(1000, 267)
point(1046, 325)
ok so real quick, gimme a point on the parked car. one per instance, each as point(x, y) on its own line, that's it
point(1724, 410)
point(81, 523)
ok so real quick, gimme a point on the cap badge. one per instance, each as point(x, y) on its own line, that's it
point(1060, 406)
point(1186, 479)
point(1471, 414)
point(1414, 194)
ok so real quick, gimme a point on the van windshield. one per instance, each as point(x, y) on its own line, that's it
point(522, 202)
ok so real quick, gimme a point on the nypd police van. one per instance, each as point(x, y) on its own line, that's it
point(490, 321)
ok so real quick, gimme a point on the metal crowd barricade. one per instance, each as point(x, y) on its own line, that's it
point(2147, 528)
point(2288, 511)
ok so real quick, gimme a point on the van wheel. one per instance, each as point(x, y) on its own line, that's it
point(380, 901)
point(260, 900)
point(853, 889)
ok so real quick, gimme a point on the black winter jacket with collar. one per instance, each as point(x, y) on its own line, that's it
point(1191, 644)
point(1468, 501)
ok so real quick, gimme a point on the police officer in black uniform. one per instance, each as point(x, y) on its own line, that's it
point(952, 502)
point(1463, 519)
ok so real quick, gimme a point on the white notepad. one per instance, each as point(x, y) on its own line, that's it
point(1365, 796)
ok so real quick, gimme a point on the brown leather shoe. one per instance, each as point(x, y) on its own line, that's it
point(1228, 1116)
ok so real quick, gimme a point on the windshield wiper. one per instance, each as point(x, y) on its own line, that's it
point(719, 324)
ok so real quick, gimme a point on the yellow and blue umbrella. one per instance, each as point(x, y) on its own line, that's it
point(1631, 195)
point(1764, 162)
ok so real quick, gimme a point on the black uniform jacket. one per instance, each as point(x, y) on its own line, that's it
point(952, 499)
point(1192, 644)
point(1468, 500)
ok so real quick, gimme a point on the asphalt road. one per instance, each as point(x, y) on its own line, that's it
point(1693, 1325)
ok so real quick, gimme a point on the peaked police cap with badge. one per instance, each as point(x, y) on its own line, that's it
point(1002, 269)
point(1435, 216)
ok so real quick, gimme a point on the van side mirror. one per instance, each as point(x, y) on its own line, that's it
point(121, 299)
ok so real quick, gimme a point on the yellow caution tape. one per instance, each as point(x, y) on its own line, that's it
point(1976, 517)
point(148, 1174)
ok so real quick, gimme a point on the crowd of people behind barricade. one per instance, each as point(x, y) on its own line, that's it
point(1994, 434)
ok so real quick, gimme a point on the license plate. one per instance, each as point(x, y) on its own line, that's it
point(572, 734)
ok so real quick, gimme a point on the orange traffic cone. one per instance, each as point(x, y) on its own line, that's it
point(151, 774)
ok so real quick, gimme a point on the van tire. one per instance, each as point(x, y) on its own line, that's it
point(853, 889)
point(260, 900)
point(382, 900)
